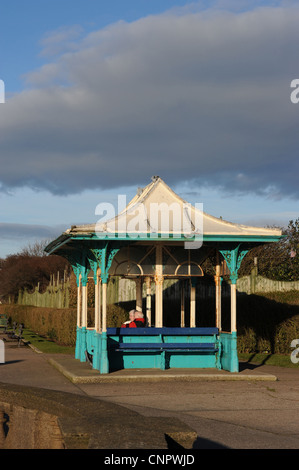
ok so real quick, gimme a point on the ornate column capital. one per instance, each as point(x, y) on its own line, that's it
point(233, 258)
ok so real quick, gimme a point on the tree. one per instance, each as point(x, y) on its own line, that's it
point(26, 269)
point(277, 261)
point(35, 249)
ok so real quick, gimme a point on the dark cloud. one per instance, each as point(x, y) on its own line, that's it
point(202, 96)
point(12, 231)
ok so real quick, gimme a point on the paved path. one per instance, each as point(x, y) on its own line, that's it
point(225, 413)
point(236, 414)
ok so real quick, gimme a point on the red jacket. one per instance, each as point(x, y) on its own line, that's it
point(138, 322)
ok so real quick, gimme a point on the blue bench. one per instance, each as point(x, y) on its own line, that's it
point(134, 340)
point(164, 331)
point(127, 347)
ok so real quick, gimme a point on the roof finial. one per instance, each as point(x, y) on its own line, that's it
point(155, 178)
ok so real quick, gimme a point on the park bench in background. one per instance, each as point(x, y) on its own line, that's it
point(16, 334)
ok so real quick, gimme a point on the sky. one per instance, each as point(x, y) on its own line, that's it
point(102, 95)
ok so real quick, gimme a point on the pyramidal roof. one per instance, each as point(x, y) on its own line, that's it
point(157, 208)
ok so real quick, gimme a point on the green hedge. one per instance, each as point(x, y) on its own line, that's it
point(265, 323)
point(58, 324)
point(268, 323)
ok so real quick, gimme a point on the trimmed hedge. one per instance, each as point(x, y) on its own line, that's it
point(265, 323)
point(58, 324)
point(268, 323)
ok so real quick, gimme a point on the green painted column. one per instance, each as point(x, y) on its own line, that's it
point(78, 343)
point(234, 353)
point(97, 350)
point(103, 255)
point(233, 256)
point(104, 363)
point(83, 342)
point(78, 330)
point(228, 355)
point(96, 334)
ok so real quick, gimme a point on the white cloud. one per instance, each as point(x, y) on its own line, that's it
point(201, 95)
point(61, 40)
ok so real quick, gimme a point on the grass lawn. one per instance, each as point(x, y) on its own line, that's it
point(279, 360)
point(46, 345)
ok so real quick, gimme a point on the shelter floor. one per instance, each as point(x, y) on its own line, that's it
point(82, 372)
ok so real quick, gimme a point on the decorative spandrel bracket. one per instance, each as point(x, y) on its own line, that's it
point(80, 264)
point(104, 257)
point(233, 258)
point(94, 266)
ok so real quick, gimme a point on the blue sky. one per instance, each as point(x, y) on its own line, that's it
point(23, 25)
point(101, 95)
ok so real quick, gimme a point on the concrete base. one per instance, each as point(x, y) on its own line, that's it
point(77, 372)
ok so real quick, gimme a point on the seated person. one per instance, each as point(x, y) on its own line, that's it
point(136, 320)
point(131, 319)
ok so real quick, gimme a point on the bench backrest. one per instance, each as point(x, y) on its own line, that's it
point(152, 331)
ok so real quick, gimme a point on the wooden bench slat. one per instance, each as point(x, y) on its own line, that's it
point(164, 347)
point(165, 331)
point(188, 346)
point(138, 345)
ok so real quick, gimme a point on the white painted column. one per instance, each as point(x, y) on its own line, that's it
point(233, 307)
point(192, 304)
point(84, 306)
point(97, 304)
point(99, 314)
point(138, 283)
point(104, 307)
point(182, 304)
point(79, 302)
point(104, 361)
point(159, 287)
point(218, 295)
point(148, 301)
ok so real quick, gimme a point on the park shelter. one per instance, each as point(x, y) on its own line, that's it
point(157, 236)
